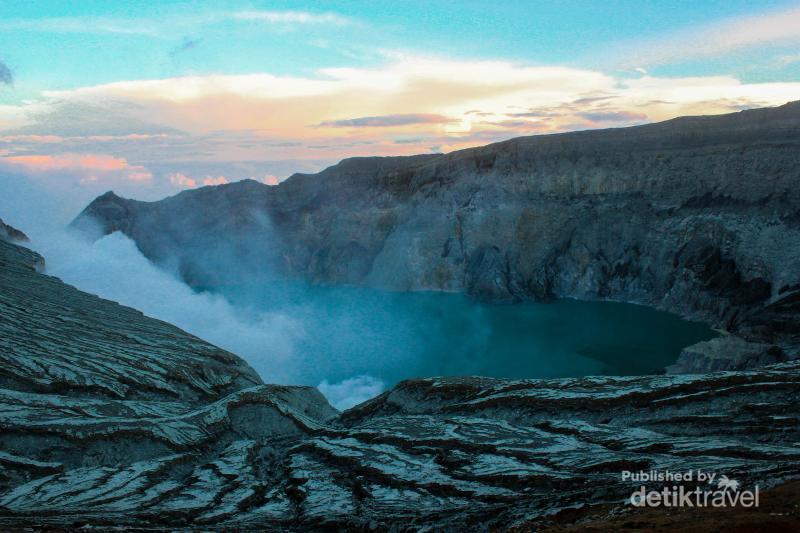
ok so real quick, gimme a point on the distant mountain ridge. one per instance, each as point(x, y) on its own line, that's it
point(696, 215)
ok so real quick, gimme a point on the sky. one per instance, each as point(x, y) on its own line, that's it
point(151, 98)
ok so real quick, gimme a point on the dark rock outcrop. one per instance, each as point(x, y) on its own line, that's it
point(725, 353)
point(12, 234)
point(110, 418)
point(696, 215)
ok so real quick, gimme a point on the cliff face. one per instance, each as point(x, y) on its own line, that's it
point(697, 215)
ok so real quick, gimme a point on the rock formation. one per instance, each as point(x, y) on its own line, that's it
point(725, 353)
point(111, 418)
point(697, 215)
point(59, 340)
point(10, 233)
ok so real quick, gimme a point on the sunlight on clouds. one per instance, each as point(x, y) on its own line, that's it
point(219, 180)
point(181, 180)
point(411, 105)
point(437, 97)
point(92, 164)
point(185, 182)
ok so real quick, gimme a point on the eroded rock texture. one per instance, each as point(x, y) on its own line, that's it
point(697, 215)
point(55, 339)
point(108, 417)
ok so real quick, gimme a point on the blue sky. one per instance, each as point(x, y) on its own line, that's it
point(152, 97)
point(63, 44)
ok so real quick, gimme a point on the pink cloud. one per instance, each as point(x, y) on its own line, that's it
point(44, 163)
point(182, 180)
point(187, 182)
point(219, 180)
point(89, 166)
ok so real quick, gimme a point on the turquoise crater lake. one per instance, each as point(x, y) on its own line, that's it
point(391, 336)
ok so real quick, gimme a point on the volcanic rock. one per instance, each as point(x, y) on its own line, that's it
point(109, 418)
point(697, 215)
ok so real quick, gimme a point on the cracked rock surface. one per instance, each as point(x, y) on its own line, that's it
point(109, 417)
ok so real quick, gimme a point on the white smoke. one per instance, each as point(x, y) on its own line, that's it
point(115, 269)
point(352, 391)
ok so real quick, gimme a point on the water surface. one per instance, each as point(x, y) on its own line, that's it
point(393, 336)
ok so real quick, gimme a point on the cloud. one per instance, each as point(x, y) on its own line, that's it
point(6, 77)
point(219, 180)
point(593, 99)
point(614, 116)
point(247, 114)
point(773, 28)
point(388, 121)
point(183, 181)
point(167, 24)
point(351, 391)
point(44, 163)
point(300, 17)
point(79, 25)
point(88, 165)
point(788, 59)
point(248, 126)
point(81, 117)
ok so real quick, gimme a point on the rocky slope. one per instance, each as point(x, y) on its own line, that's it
point(55, 339)
point(696, 215)
point(110, 418)
point(12, 234)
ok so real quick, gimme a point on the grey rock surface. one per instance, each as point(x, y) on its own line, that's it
point(725, 353)
point(55, 339)
point(697, 215)
point(110, 418)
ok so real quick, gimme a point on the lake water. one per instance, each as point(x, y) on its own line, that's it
point(388, 336)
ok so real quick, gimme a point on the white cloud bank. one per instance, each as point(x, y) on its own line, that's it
point(413, 104)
